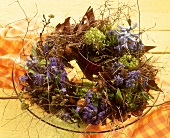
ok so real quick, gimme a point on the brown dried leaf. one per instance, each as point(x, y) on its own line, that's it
point(67, 25)
point(153, 85)
point(90, 15)
point(87, 19)
point(59, 28)
point(147, 48)
point(64, 27)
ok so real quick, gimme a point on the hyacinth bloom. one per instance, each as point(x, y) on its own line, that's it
point(134, 74)
point(77, 110)
point(92, 115)
point(89, 95)
point(53, 70)
point(126, 39)
point(23, 78)
point(66, 116)
point(130, 83)
point(31, 62)
point(118, 80)
point(53, 62)
point(38, 79)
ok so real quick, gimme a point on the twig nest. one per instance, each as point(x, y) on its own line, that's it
point(115, 78)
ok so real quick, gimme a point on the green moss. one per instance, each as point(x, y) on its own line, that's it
point(129, 61)
point(106, 28)
point(95, 37)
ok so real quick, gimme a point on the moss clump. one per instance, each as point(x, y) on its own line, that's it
point(95, 37)
point(129, 61)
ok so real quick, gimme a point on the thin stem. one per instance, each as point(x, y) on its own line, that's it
point(7, 98)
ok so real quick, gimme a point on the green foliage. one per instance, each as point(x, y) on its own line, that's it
point(137, 100)
point(80, 91)
point(106, 28)
point(95, 37)
point(27, 68)
point(34, 53)
point(118, 97)
point(129, 61)
point(112, 40)
point(43, 62)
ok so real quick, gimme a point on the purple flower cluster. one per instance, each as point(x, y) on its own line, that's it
point(133, 76)
point(126, 39)
point(90, 113)
point(38, 79)
point(23, 78)
point(118, 80)
point(130, 83)
point(62, 81)
point(117, 66)
point(53, 71)
point(30, 62)
point(56, 71)
point(66, 116)
point(125, 36)
point(89, 96)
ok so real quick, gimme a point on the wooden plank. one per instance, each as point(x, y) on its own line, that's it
point(162, 62)
point(152, 11)
point(157, 38)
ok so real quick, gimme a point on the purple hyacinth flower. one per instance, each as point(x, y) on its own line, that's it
point(66, 116)
point(118, 80)
point(145, 81)
point(130, 83)
point(29, 62)
point(54, 70)
point(134, 74)
point(63, 76)
point(63, 89)
point(125, 36)
point(23, 78)
point(38, 79)
point(77, 110)
point(90, 113)
point(53, 62)
point(89, 95)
